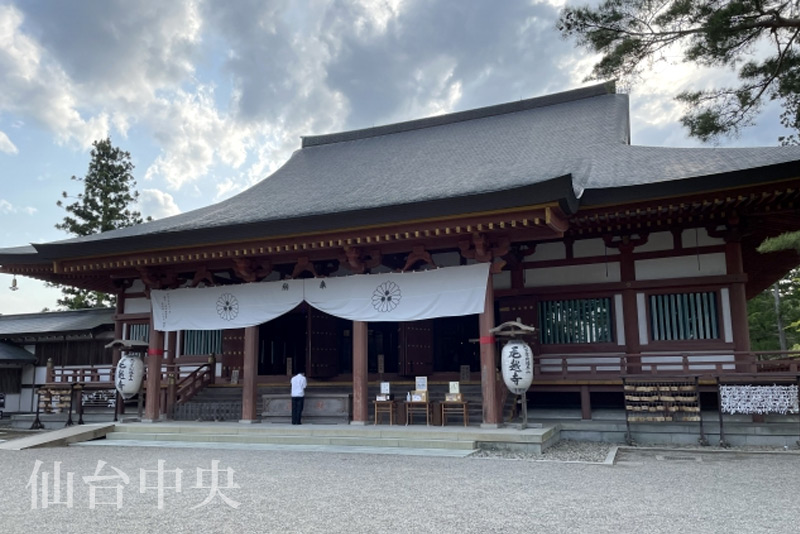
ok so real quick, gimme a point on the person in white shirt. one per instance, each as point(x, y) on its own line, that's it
point(298, 396)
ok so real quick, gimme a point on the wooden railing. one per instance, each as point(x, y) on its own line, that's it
point(95, 374)
point(187, 378)
point(190, 384)
point(696, 363)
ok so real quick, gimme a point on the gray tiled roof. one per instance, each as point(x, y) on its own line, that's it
point(62, 321)
point(13, 354)
point(571, 147)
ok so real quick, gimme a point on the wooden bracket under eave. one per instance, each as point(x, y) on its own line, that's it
point(556, 220)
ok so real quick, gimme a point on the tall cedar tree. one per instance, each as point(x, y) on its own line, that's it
point(757, 37)
point(109, 191)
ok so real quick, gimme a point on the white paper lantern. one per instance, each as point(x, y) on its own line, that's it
point(130, 371)
point(517, 366)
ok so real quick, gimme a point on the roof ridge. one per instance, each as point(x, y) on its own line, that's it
point(460, 116)
point(51, 313)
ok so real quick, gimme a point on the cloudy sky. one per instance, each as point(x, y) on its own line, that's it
point(211, 96)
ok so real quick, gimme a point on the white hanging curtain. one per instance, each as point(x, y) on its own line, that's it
point(445, 292)
point(221, 307)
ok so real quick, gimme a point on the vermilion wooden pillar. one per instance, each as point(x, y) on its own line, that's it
point(172, 375)
point(741, 329)
point(119, 325)
point(630, 311)
point(360, 376)
point(155, 353)
point(250, 379)
point(488, 359)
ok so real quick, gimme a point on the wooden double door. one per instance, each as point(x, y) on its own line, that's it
point(321, 345)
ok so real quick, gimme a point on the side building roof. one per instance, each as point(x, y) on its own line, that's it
point(57, 322)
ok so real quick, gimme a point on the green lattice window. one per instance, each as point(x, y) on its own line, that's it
point(140, 332)
point(682, 316)
point(576, 321)
point(197, 342)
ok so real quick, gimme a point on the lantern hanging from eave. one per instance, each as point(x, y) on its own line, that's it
point(128, 378)
point(517, 366)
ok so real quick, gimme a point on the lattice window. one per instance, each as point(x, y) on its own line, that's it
point(576, 321)
point(196, 342)
point(683, 316)
point(140, 332)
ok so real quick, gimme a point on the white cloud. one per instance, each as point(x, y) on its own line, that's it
point(7, 208)
point(33, 86)
point(157, 204)
point(6, 145)
point(193, 135)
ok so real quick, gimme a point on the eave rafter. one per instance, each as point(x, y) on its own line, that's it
point(698, 210)
point(543, 222)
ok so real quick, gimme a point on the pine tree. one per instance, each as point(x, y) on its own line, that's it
point(109, 191)
point(759, 39)
point(766, 312)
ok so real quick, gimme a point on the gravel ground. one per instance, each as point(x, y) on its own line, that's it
point(563, 451)
point(355, 493)
point(593, 452)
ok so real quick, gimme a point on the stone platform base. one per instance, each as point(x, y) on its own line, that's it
point(319, 408)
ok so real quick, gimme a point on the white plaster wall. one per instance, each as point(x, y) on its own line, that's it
point(582, 364)
point(548, 251)
point(727, 321)
point(41, 374)
point(572, 275)
point(273, 276)
point(696, 363)
point(700, 238)
point(657, 241)
point(446, 259)
point(26, 397)
point(136, 287)
point(589, 248)
point(140, 305)
point(619, 319)
point(641, 304)
point(682, 266)
point(502, 280)
point(12, 403)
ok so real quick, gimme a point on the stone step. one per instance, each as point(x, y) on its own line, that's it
point(297, 440)
point(413, 436)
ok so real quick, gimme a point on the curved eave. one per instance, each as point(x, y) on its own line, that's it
point(728, 180)
point(556, 191)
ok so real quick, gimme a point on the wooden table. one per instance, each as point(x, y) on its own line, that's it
point(418, 407)
point(454, 408)
point(384, 407)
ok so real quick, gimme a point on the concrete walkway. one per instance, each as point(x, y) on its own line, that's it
point(58, 438)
